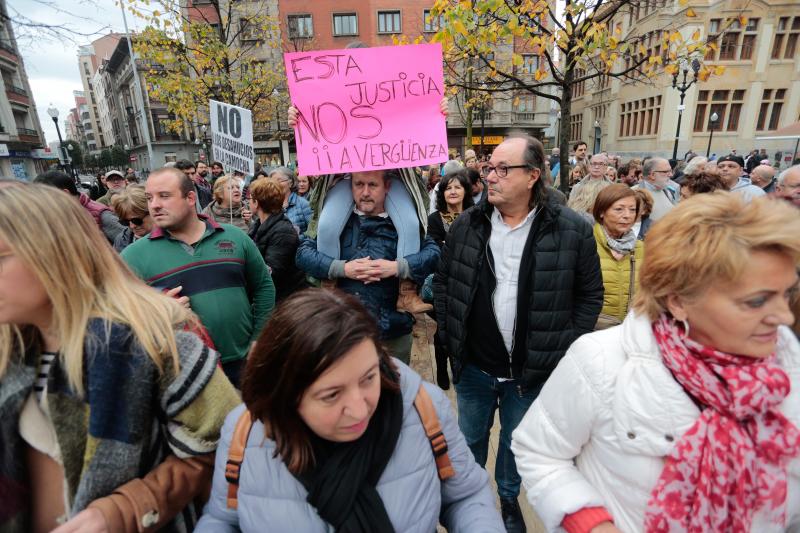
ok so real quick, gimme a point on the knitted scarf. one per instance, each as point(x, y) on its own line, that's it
point(129, 419)
point(732, 462)
point(624, 245)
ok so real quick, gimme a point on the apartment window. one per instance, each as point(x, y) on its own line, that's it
point(430, 23)
point(576, 127)
point(388, 22)
point(530, 63)
point(578, 89)
point(250, 30)
point(300, 27)
point(785, 44)
point(640, 117)
point(769, 113)
point(726, 104)
point(526, 104)
point(736, 43)
point(345, 24)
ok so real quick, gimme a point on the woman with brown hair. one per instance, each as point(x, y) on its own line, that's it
point(685, 417)
point(335, 443)
point(275, 236)
point(621, 253)
point(704, 181)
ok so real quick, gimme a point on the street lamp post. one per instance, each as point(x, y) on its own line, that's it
point(53, 112)
point(682, 88)
point(713, 121)
point(203, 130)
point(483, 116)
point(597, 134)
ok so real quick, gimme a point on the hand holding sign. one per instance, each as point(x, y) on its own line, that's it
point(352, 114)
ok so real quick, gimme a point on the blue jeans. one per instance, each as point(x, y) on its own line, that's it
point(478, 395)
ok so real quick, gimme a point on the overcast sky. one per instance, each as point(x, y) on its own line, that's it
point(52, 65)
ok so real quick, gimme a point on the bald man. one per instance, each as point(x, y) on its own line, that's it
point(764, 176)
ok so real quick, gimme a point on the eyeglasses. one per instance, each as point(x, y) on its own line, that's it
point(596, 164)
point(500, 170)
point(668, 171)
point(135, 221)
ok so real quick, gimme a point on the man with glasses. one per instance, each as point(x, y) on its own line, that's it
point(788, 185)
point(597, 171)
point(519, 280)
point(656, 179)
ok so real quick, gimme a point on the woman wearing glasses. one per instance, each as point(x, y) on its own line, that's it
point(110, 405)
point(130, 205)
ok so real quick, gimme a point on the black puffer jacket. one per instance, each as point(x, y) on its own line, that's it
point(559, 271)
point(277, 241)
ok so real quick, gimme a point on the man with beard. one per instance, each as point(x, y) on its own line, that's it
point(369, 264)
point(215, 268)
point(656, 174)
point(116, 183)
point(216, 171)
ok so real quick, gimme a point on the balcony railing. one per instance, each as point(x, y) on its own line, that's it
point(7, 47)
point(16, 90)
point(27, 131)
point(525, 117)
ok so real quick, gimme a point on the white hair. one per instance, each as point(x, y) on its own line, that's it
point(695, 165)
point(783, 175)
point(452, 166)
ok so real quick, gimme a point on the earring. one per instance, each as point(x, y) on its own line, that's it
point(685, 324)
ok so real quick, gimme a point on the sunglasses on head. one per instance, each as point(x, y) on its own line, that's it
point(136, 221)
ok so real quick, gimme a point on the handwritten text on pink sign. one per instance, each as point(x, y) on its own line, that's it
point(368, 108)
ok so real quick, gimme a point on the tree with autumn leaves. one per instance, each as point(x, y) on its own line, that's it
point(216, 50)
point(593, 40)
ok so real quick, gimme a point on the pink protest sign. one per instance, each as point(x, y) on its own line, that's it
point(367, 108)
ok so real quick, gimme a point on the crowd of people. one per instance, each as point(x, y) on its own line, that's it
point(250, 337)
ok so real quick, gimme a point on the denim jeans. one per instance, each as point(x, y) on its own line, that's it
point(479, 395)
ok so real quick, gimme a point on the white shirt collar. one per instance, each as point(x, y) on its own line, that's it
point(362, 214)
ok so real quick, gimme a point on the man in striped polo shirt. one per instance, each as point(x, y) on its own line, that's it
point(214, 268)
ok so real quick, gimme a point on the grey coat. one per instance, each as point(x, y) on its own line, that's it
point(271, 499)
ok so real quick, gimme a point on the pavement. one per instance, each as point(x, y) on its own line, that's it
point(424, 362)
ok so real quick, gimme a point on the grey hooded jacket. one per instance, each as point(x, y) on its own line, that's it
point(271, 499)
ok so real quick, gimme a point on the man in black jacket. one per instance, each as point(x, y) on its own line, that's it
point(519, 280)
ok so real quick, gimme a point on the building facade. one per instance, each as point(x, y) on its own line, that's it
point(758, 93)
point(126, 120)
point(90, 57)
point(22, 142)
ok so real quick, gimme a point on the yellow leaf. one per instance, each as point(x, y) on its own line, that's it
point(671, 69)
point(691, 12)
point(683, 2)
point(743, 21)
point(642, 49)
point(516, 60)
point(459, 27)
point(696, 35)
point(719, 70)
point(516, 101)
point(612, 42)
point(539, 75)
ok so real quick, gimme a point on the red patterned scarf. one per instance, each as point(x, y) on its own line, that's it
point(732, 462)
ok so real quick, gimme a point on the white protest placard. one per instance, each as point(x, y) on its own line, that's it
point(232, 136)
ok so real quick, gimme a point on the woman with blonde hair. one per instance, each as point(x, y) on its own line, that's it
point(130, 205)
point(685, 417)
point(110, 406)
point(582, 199)
point(227, 206)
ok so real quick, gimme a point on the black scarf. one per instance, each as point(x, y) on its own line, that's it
point(341, 486)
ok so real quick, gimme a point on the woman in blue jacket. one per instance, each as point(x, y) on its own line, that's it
point(336, 443)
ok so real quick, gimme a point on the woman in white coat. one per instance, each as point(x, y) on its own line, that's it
point(685, 417)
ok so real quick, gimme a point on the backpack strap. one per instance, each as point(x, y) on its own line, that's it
point(422, 403)
point(433, 429)
point(236, 456)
